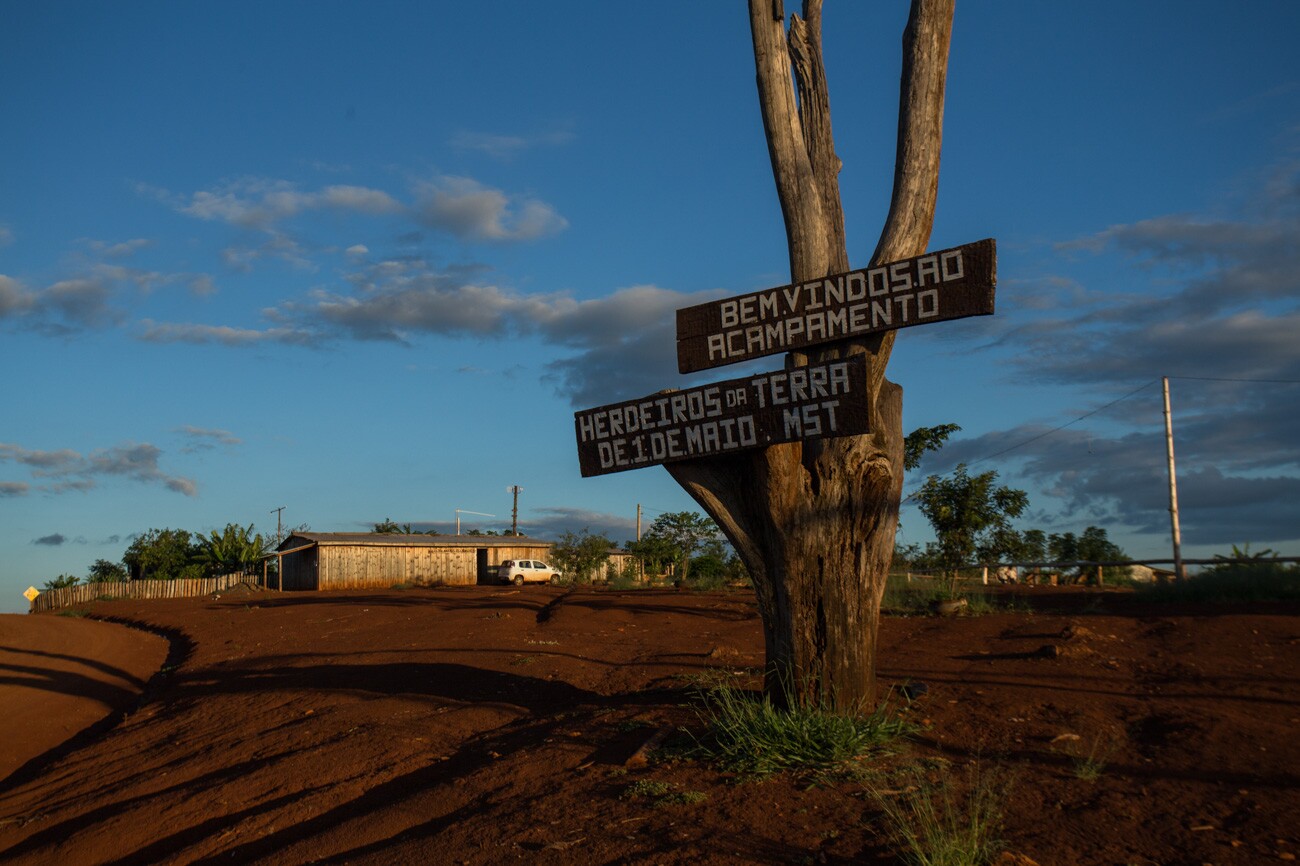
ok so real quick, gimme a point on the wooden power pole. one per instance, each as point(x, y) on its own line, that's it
point(514, 510)
point(1179, 574)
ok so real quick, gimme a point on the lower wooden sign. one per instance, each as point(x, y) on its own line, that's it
point(756, 411)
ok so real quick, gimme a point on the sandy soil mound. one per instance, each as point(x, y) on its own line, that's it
point(487, 725)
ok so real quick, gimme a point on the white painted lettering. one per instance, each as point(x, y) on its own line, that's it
point(730, 316)
point(791, 426)
point(928, 310)
point(839, 378)
point(880, 312)
point(952, 265)
point(899, 277)
point(928, 266)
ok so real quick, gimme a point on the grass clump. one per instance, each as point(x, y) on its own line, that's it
point(659, 793)
point(934, 825)
point(1261, 580)
point(749, 735)
point(919, 596)
point(1089, 767)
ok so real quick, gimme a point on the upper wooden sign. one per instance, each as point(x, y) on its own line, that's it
point(751, 412)
point(935, 287)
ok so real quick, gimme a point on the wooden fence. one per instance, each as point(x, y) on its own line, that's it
point(52, 599)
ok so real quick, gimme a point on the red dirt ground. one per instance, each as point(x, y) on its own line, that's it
point(484, 725)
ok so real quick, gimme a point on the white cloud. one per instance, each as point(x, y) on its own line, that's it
point(14, 488)
point(260, 203)
point(203, 439)
point(6, 236)
point(357, 250)
point(277, 245)
point(202, 285)
point(171, 332)
point(75, 471)
point(14, 299)
point(506, 146)
point(81, 301)
point(468, 209)
point(119, 250)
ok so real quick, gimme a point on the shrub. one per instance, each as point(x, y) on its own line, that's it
point(62, 581)
point(1262, 580)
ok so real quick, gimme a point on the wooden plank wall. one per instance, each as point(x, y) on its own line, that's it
point(374, 566)
point(53, 599)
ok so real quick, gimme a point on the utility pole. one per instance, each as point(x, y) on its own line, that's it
point(1179, 574)
point(278, 531)
point(514, 511)
point(640, 563)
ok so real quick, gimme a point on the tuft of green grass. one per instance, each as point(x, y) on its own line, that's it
point(645, 789)
point(918, 597)
point(934, 825)
point(1089, 767)
point(685, 798)
point(1263, 580)
point(78, 612)
point(623, 582)
point(659, 794)
point(752, 737)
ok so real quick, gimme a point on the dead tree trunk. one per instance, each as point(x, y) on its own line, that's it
point(814, 521)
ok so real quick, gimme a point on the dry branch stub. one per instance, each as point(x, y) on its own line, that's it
point(935, 287)
point(816, 401)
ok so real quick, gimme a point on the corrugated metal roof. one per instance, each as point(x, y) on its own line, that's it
point(397, 540)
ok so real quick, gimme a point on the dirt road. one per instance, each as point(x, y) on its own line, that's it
point(487, 725)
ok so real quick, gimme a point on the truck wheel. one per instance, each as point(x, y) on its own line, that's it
point(519, 580)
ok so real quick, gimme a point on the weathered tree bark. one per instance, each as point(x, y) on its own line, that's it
point(814, 521)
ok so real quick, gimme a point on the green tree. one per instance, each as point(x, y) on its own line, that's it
point(968, 513)
point(388, 527)
point(683, 534)
point(923, 439)
point(103, 571)
point(63, 580)
point(1033, 546)
point(235, 549)
point(162, 554)
point(579, 554)
point(655, 553)
point(1092, 546)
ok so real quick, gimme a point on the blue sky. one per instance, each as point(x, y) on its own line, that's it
point(365, 260)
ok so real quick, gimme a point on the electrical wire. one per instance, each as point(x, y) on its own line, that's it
point(1063, 426)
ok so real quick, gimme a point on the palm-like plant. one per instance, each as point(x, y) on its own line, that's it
point(235, 548)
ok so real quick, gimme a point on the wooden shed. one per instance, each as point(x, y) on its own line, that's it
point(367, 560)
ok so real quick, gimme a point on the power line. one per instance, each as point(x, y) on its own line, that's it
point(1063, 426)
point(1222, 379)
point(1106, 406)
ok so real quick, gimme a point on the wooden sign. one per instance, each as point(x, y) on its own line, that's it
point(736, 415)
point(949, 284)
